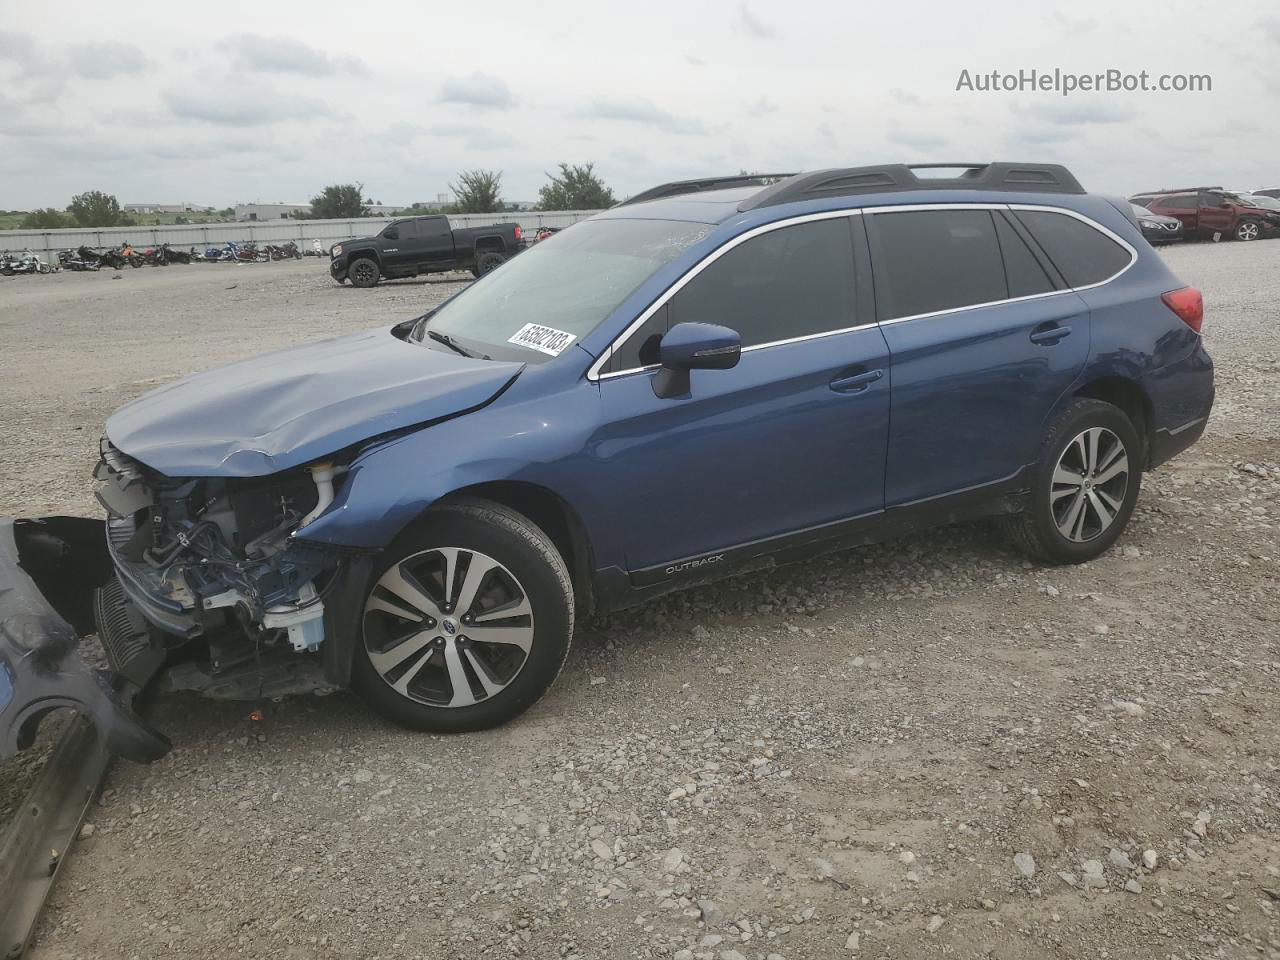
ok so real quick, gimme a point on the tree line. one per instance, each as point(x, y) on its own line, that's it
point(573, 187)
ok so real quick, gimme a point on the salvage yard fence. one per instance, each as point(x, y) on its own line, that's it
point(200, 235)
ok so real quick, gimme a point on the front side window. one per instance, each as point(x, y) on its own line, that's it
point(791, 282)
point(1082, 254)
point(927, 261)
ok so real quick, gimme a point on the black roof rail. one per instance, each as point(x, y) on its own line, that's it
point(889, 177)
point(1156, 193)
point(678, 187)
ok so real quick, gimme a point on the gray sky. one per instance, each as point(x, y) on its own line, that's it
point(269, 101)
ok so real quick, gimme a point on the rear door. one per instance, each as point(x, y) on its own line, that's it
point(1183, 206)
point(437, 241)
point(789, 440)
point(984, 341)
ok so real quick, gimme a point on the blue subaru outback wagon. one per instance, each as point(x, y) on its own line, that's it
point(712, 376)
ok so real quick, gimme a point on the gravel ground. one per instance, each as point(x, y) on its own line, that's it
point(928, 748)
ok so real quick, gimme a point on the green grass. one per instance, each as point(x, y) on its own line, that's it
point(13, 221)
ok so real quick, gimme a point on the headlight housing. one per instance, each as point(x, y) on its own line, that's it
point(337, 249)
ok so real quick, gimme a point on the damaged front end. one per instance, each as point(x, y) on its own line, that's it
point(49, 572)
point(216, 559)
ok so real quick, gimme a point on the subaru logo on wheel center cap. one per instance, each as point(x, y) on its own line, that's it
point(449, 626)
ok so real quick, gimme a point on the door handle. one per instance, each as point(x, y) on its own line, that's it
point(1049, 335)
point(857, 382)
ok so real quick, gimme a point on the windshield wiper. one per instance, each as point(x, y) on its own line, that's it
point(454, 345)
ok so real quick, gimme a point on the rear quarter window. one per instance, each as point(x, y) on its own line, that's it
point(1083, 254)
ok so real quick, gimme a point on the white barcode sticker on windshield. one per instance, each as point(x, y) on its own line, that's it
point(543, 339)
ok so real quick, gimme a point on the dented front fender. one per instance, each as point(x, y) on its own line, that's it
point(49, 569)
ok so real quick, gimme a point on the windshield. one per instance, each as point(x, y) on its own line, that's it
point(1140, 212)
point(1257, 200)
point(556, 292)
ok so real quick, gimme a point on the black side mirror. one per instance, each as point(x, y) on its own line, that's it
point(694, 346)
point(391, 233)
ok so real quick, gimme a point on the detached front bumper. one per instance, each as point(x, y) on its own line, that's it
point(50, 570)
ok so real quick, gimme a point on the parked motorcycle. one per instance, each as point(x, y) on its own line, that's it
point(249, 253)
point(131, 256)
point(113, 259)
point(284, 251)
point(26, 262)
point(227, 252)
point(74, 261)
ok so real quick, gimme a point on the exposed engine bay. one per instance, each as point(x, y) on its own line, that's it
point(216, 558)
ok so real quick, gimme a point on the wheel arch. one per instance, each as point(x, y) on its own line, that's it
point(1130, 396)
point(490, 244)
point(544, 508)
point(552, 514)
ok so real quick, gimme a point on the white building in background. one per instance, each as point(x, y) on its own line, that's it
point(292, 211)
point(165, 208)
point(271, 211)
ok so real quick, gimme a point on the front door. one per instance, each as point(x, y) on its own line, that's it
point(791, 439)
point(399, 243)
point(1215, 218)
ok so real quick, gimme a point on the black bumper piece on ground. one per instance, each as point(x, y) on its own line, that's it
point(49, 572)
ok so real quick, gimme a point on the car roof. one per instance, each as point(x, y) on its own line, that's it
point(717, 200)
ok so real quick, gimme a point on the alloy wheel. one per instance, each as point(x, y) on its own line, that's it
point(1089, 484)
point(448, 627)
point(1247, 231)
point(364, 271)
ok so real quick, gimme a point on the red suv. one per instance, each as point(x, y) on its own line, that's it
point(1213, 214)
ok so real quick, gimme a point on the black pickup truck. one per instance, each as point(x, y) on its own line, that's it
point(406, 248)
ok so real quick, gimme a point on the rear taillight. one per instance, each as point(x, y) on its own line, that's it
point(1187, 304)
point(519, 232)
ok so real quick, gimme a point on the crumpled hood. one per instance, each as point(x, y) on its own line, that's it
point(288, 408)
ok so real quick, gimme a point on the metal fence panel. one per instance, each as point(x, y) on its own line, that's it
point(49, 242)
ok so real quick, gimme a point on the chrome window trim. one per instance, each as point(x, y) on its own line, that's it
point(594, 374)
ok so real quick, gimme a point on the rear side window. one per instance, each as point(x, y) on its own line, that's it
point(790, 282)
point(932, 260)
point(1082, 254)
point(1022, 270)
point(433, 227)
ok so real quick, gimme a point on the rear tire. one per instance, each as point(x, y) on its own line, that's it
point(487, 263)
point(479, 653)
point(1084, 485)
point(363, 273)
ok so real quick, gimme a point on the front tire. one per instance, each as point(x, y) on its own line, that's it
point(363, 273)
point(467, 620)
point(1084, 485)
point(1248, 229)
